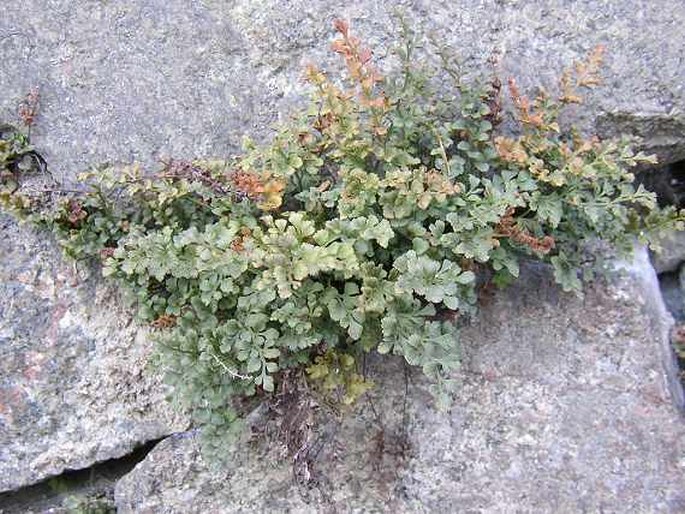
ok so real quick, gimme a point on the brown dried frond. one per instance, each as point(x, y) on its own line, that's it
point(76, 212)
point(177, 169)
point(359, 66)
point(314, 75)
point(238, 244)
point(268, 191)
point(273, 194)
point(28, 108)
point(322, 122)
point(305, 138)
point(587, 73)
point(511, 150)
point(439, 183)
point(249, 184)
point(507, 228)
point(107, 252)
point(341, 26)
point(526, 114)
point(568, 90)
point(538, 170)
point(164, 321)
point(583, 74)
point(494, 102)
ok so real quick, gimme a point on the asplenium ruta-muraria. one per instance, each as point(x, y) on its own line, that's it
point(368, 224)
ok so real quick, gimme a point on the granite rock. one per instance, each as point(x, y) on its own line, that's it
point(74, 389)
point(140, 80)
point(125, 80)
point(564, 405)
point(672, 253)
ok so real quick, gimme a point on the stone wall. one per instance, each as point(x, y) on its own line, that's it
point(561, 397)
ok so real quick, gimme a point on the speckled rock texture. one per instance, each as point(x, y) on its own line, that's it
point(73, 386)
point(564, 405)
point(139, 80)
point(672, 253)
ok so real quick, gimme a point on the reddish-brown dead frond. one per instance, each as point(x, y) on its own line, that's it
point(507, 228)
point(107, 252)
point(249, 184)
point(164, 321)
point(75, 212)
point(266, 191)
point(359, 66)
point(28, 108)
point(582, 74)
point(494, 102)
point(238, 244)
point(526, 114)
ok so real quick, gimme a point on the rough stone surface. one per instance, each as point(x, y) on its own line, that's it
point(143, 79)
point(139, 80)
point(672, 254)
point(73, 390)
point(564, 405)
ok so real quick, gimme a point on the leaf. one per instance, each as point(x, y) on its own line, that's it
point(268, 383)
point(355, 329)
point(271, 353)
point(482, 166)
point(254, 365)
point(420, 245)
point(549, 207)
point(467, 277)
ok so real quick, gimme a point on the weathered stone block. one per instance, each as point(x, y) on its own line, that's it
point(138, 80)
point(73, 384)
point(564, 405)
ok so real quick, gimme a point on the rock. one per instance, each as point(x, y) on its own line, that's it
point(672, 253)
point(73, 385)
point(564, 405)
point(126, 81)
point(123, 81)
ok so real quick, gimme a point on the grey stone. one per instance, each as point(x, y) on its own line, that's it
point(73, 384)
point(125, 80)
point(672, 253)
point(564, 405)
point(139, 80)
